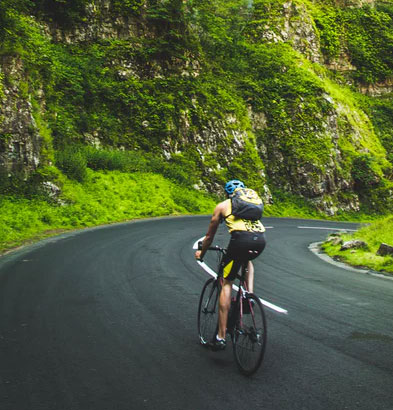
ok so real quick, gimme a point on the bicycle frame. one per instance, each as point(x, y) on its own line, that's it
point(240, 298)
point(242, 291)
point(246, 322)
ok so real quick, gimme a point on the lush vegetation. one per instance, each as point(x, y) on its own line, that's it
point(205, 63)
point(169, 91)
point(373, 235)
point(103, 197)
point(364, 33)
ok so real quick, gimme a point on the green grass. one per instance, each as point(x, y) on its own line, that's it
point(374, 234)
point(105, 197)
point(287, 205)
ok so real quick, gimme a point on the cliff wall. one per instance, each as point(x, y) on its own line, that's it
point(274, 93)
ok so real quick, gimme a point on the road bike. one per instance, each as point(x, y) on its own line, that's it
point(246, 319)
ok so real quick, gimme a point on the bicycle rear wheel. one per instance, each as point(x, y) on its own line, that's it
point(249, 336)
point(208, 311)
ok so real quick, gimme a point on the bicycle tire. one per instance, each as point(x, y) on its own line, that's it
point(208, 311)
point(250, 335)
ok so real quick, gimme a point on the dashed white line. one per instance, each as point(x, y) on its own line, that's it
point(325, 228)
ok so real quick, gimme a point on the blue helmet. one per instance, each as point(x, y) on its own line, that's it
point(230, 186)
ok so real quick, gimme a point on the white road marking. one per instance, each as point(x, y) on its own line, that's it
point(211, 272)
point(207, 269)
point(328, 229)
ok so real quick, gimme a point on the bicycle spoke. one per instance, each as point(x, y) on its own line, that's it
point(250, 337)
point(208, 311)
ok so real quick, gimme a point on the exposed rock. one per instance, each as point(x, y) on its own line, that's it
point(328, 185)
point(335, 239)
point(385, 250)
point(341, 63)
point(20, 141)
point(52, 190)
point(99, 24)
point(378, 89)
point(297, 28)
point(258, 119)
point(353, 244)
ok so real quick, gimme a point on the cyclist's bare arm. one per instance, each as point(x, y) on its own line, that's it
point(219, 212)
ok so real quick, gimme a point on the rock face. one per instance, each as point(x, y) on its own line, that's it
point(99, 24)
point(20, 140)
point(385, 249)
point(378, 89)
point(328, 184)
point(354, 244)
point(295, 27)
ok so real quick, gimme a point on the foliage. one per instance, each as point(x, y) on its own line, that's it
point(365, 172)
point(1, 89)
point(103, 198)
point(374, 189)
point(364, 33)
point(380, 111)
point(370, 43)
point(289, 205)
point(203, 65)
point(100, 159)
point(65, 13)
point(249, 168)
point(329, 24)
point(127, 7)
point(373, 234)
point(9, 13)
point(72, 162)
point(12, 182)
point(220, 26)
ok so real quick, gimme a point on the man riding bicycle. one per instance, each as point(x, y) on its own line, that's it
point(246, 243)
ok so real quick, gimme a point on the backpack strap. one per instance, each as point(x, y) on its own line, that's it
point(230, 204)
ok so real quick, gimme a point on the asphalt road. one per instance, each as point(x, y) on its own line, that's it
point(105, 319)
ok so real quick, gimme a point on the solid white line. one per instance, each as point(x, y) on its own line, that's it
point(207, 269)
point(195, 246)
point(329, 229)
point(266, 303)
point(236, 288)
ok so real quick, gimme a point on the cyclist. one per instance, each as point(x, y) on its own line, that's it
point(246, 243)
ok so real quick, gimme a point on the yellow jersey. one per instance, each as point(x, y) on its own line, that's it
point(237, 224)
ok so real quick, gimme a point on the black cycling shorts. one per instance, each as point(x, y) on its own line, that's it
point(243, 247)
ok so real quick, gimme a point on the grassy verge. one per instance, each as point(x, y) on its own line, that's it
point(374, 234)
point(106, 197)
point(103, 198)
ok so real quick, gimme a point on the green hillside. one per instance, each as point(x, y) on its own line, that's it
point(372, 236)
point(293, 97)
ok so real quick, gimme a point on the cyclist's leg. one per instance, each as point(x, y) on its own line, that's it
point(250, 248)
point(228, 270)
point(225, 302)
point(250, 277)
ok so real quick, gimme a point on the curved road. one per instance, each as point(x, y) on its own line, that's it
point(105, 319)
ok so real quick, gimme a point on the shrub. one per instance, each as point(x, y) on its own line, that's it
point(65, 13)
point(103, 159)
point(72, 162)
point(365, 172)
point(127, 6)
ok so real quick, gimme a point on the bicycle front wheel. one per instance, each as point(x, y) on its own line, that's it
point(249, 336)
point(208, 311)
